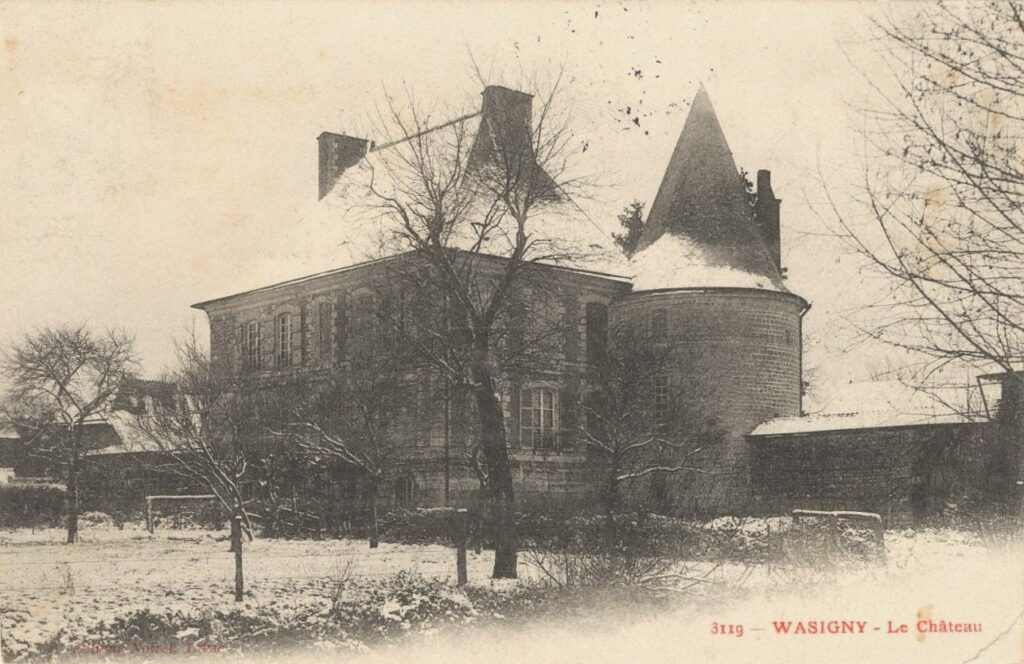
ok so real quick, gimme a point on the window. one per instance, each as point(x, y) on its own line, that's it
point(284, 340)
point(661, 400)
point(405, 491)
point(323, 330)
point(597, 331)
point(538, 418)
point(362, 325)
point(659, 323)
point(252, 345)
point(391, 321)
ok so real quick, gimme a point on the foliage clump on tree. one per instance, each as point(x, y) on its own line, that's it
point(632, 221)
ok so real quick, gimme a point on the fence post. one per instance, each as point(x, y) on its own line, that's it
point(236, 545)
point(459, 532)
point(149, 514)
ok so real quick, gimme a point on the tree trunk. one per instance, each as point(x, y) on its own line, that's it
point(374, 529)
point(72, 508)
point(611, 500)
point(71, 498)
point(499, 471)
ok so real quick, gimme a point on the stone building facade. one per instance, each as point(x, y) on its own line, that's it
point(706, 274)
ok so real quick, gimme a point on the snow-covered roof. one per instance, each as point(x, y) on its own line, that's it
point(7, 431)
point(131, 437)
point(350, 225)
point(844, 421)
point(880, 404)
point(701, 231)
point(676, 261)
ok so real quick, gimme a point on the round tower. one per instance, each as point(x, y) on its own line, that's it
point(707, 278)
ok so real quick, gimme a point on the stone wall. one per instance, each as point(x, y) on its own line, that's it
point(897, 471)
point(741, 351)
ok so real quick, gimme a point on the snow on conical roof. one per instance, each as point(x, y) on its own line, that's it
point(701, 231)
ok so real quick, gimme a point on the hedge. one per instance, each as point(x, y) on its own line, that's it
point(31, 505)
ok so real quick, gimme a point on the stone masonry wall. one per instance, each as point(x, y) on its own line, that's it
point(906, 471)
point(741, 349)
point(550, 478)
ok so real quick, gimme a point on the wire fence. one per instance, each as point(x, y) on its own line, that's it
point(210, 567)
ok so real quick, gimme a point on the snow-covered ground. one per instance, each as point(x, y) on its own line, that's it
point(933, 575)
point(928, 575)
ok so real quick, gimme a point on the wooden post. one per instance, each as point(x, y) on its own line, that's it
point(459, 533)
point(149, 514)
point(236, 545)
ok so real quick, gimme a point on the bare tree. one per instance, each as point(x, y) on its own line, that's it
point(63, 379)
point(210, 434)
point(636, 421)
point(351, 420)
point(471, 210)
point(943, 185)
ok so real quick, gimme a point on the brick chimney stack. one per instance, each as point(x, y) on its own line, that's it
point(338, 153)
point(509, 116)
point(766, 212)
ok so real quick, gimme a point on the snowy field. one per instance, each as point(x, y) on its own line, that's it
point(935, 575)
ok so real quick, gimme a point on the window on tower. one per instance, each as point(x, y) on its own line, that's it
point(659, 324)
point(661, 398)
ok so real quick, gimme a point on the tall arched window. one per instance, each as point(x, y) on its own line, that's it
point(284, 340)
point(252, 345)
point(324, 326)
point(597, 331)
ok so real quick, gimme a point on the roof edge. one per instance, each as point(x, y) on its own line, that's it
point(202, 306)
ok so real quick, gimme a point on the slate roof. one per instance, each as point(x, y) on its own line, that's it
point(701, 231)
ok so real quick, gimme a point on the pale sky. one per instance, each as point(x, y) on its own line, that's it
point(155, 153)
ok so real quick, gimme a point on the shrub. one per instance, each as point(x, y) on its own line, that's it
point(96, 519)
point(180, 625)
point(405, 602)
point(31, 505)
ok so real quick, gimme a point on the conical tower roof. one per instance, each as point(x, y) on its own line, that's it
point(701, 231)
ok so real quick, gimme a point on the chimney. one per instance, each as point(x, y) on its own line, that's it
point(337, 153)
point(766, 212)
point(509, 116)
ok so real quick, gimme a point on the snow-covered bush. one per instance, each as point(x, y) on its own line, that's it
point(96, 519)
point(405, 602)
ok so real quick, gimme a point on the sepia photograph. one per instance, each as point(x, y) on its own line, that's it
point(571, 332)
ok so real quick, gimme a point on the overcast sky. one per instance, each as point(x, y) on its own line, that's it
point(156, 155)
